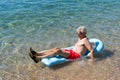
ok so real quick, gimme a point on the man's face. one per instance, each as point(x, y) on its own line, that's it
point(81, 33)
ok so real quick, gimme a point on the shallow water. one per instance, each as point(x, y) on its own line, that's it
point(45, 24)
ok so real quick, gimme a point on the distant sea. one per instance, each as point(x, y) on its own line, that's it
point(45, 24)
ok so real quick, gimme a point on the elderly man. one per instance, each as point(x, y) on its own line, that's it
point(79, 49)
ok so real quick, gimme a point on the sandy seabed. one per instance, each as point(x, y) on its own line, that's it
point(106, 67)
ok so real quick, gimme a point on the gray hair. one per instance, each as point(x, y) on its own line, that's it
point(82, 28)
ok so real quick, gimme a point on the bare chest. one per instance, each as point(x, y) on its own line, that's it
point(79, 43)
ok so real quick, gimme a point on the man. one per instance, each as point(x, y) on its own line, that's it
point(79, 49)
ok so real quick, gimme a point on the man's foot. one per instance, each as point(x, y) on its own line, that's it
point(32, 51)
point(35, 59)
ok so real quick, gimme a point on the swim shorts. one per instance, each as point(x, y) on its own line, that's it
point(73, 54)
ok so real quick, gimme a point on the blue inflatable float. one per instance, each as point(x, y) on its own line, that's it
point(99, 46)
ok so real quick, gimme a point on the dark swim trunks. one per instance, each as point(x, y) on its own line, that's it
point(73, 54)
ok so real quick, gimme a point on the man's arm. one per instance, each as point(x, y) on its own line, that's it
point(89, 47)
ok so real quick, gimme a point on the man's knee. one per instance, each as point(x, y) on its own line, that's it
point(58, 51)
point(56, 48)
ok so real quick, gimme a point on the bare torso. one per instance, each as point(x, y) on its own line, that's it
point(79, 47)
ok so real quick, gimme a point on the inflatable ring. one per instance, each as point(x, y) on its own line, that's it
point(99, 46)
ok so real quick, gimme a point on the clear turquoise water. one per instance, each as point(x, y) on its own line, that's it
point(45, 24)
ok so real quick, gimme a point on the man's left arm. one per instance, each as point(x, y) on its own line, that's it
point(89, 47)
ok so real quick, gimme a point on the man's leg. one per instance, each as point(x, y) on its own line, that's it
point(44, 52)
point(49, 53)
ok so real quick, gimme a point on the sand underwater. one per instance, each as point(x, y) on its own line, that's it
point(44, 24)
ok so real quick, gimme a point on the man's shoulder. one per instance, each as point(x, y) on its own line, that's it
point(86, 39)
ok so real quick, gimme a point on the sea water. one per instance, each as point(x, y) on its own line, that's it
point(45, 24)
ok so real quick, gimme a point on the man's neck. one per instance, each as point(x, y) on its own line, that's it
point(81, 37)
